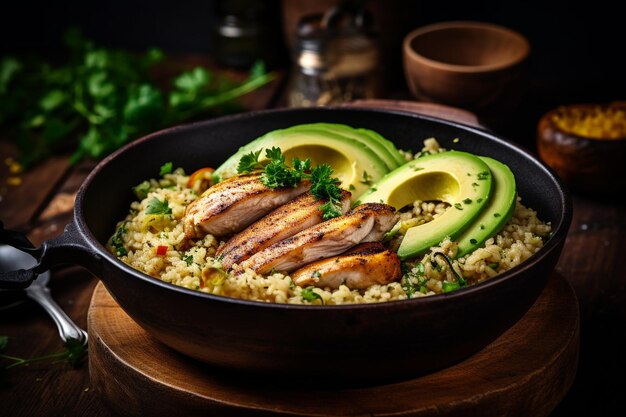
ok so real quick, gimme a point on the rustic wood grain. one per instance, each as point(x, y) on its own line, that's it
point(514, 376)
point(20, 204)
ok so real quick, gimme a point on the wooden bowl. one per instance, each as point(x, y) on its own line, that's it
point(592, 162)
point(474, 65)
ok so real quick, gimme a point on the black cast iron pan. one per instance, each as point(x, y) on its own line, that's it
point(357, 342)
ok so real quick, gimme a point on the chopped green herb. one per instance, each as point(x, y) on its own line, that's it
point(188, 260)
point(413, 280)
point(447, 260)
point(473, 241)
point(142, 190)
point(482, 227)
point(458, 206)
point(316, 274)
point(352, 187)
point(480, 200)
point(475, 184)
point(367, 179)
point(416, 169)
point(496, 214)
point(467, 201)
point(166, 168)
point(483, 175)
point(309, 295)
point(448, 286)
point(118, 242)
point(156, 206)
point(469, 175)
point(494, 265)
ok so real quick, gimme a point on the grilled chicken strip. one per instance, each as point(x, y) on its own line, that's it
point(231, 205)
point(368, 221)
point(361, 267)
point(285, 221)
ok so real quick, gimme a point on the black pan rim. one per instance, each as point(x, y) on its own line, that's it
point(557, 237)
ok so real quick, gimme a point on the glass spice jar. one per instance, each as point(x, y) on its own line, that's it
point(334, 63)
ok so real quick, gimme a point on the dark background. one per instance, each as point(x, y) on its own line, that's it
point(577, 55)
point(574, 45)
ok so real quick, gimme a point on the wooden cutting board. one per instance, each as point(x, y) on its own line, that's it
point(525, 372)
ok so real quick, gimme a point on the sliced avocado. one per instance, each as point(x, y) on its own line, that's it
point(496, 214)
point(458, 178)
point(354, 163)
point(360, 136)
point(391, 148)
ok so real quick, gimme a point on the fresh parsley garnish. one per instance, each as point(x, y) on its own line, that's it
point(249, 162)
point(324, 187)
point(458, 206)
point(156, 206)
point(309, 295)
point(483, 175)
point(166, 168)
point(188, 260)
point(277, 174)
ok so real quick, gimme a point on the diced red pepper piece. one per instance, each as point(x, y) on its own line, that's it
point(161, 250)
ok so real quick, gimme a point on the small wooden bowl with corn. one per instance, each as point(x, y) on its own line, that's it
point(586, 145)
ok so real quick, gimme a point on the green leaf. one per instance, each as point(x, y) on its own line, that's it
point(4, 341)
point(249, 162)
point(166, 168)
point(192, 81)
point(99, 85)
point(52, 100)
point(142, 190)
point(308, 294)
point(9, 67)
point(117, 241)
point(274, 154)
point(156, 206)
point(144, 105)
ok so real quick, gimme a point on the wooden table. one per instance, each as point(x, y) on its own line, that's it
point(593, 261)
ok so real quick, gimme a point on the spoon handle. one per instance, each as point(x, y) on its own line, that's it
point(67, 328)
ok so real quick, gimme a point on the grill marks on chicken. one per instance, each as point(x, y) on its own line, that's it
point(231, 205)
point(287, 220)
point(361, 267)
point(365, 223)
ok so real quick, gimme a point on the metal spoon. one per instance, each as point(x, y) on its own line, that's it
point(12, 259)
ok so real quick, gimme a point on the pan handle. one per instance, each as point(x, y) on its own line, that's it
point(68, 246)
